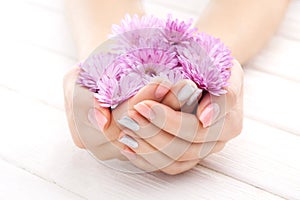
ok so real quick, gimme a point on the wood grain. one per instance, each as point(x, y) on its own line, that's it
point(36, 152)
point(42, 145)
point(18, 184)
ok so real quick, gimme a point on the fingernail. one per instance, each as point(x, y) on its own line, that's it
point(144, 110)
point(162, 89)
point(128, 153)
point(129, 141)
point(209, 114)
point(129, 123)
point(97, 118)
point(185, 92)
point(114, 106)
point(194, 97)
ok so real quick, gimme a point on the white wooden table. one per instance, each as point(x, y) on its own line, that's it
point(39, 161)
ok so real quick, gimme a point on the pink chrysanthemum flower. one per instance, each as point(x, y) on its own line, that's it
point(138, 32)
point(173, 76)
point(217, 51)
point(128, 73)
point(200, 68)
point(178, 32)
point(139, 39)
point(112, 92)
point(93, 68)
point(149, 62)
point(136, 23)
point(146, 48)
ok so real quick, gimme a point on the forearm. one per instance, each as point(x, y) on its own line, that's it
point(243, 25)
point(91, 20)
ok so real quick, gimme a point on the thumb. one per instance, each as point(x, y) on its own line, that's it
point(105, 122)
point(212, 108)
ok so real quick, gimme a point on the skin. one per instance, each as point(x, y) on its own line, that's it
point(182, 140)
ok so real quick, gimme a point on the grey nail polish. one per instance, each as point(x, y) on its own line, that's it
point(185, 92)
point(194, 97)
point(129, 123)
point(129, 141)
point(114, 107)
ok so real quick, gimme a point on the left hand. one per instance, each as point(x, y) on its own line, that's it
point(174, 141)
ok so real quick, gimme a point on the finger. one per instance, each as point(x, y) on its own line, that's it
point(164, 142)
point(179, 124)
point(192, 102)
point(187, 126)
point(142, 148)
point(154, 91)
point(180, 167)
point(107, 151)
point(156, 158)
point(86, 111)
point(209, 148)
point(174, 147)
point(68, 85)
point(81, 113)
point(233, 124)
point(212, 108)
point(138, 161)
point(181, 93)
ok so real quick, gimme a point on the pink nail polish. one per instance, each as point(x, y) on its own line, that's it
point(97, 118)
point(144, 110)
point(162, 89)
point(209, 114)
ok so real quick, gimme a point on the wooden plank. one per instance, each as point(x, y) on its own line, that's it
point(16, 183)
point(37, 26)
point(39, 136)
point(51, 5)
point(262, 156)
point(35, 72)
point(35, 137)
point(272, 100)
point(279, 57)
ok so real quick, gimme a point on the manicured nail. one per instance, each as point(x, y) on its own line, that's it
point(194, 97)
point(209, 114)
point(128, 153)
point(129, 141)
point(162, 89)
point(185, 92)
point(97, 118)
point(129, 123)
point(144, 110)
point(114, 106)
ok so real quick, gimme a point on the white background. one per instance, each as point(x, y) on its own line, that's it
point(39, 161)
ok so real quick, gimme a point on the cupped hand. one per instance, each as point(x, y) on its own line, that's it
point(87, 121)
point(182, 140)
point(173, 141)
point(93, 127)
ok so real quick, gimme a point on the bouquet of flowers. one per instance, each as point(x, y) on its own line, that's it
point(141, 49)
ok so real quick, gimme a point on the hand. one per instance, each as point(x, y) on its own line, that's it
point(174, 141)
point(91, 126)
point(81, 110)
